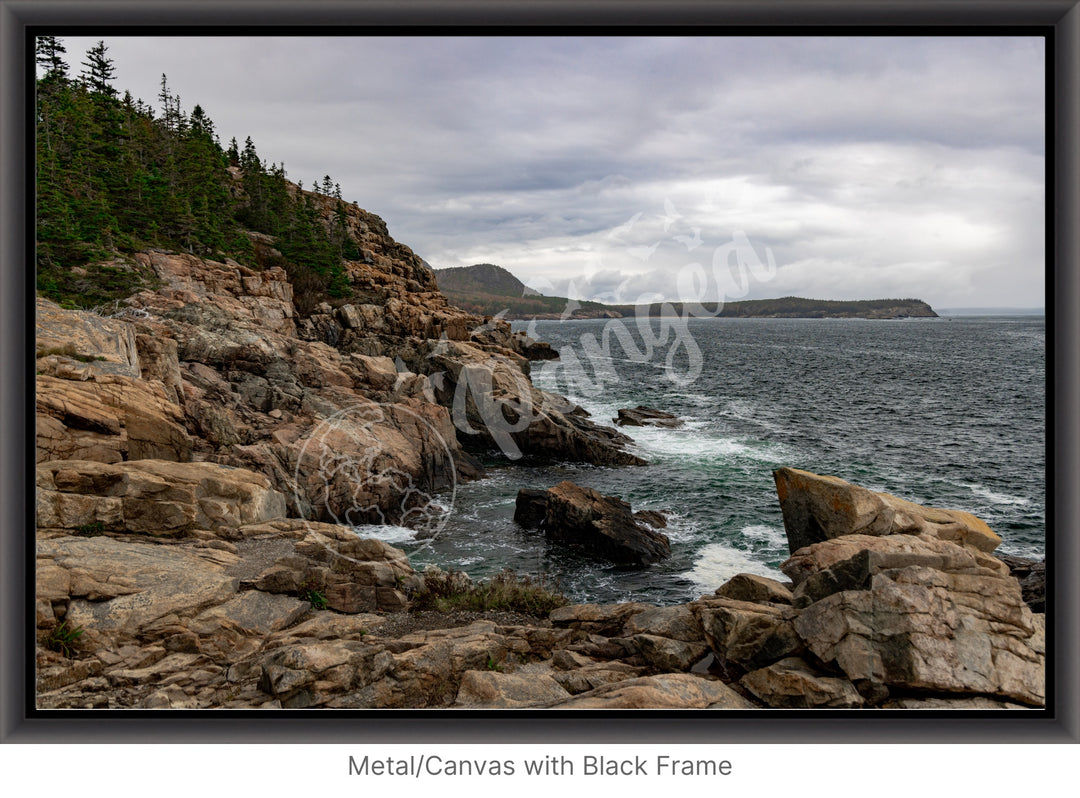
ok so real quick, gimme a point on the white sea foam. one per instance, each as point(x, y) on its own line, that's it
point(771, 536)
point(387, 533)
point(718, 562)
point(689, 442)
point(994, 497)
point(680, 528)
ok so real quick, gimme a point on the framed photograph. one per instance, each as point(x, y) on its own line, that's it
point(494, 373)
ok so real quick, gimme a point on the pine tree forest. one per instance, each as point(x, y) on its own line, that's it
point(115, 176)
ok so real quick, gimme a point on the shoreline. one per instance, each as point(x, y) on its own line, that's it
point(187, 444)
point(246, 629)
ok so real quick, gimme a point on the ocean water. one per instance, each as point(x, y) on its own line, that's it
point(946, 412)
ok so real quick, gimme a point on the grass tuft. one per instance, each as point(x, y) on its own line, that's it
point(64, 639)
point(445, 591)
point(310, 593)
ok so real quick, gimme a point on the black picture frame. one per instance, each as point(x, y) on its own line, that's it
point(1059, 19)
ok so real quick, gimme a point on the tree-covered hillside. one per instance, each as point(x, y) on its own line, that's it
point(794, 307)
point(483, 278)
point(116, 175)
point(488, 290)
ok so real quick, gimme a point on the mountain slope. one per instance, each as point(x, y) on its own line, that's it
point(488, 290)
point(482, 278)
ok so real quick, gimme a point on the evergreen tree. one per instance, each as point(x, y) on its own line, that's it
point(249, 159)
point(99, 71)
point(166, 104)
point(172, 114)
point(48, 50)
point(201, 126)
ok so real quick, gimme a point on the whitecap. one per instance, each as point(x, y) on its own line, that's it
point(387, 533)
point(771, 536)
point(688, 443)
point(993, 496)
point(680, 528)
point(718, 562)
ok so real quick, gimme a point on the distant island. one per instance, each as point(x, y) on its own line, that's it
point(487, 289)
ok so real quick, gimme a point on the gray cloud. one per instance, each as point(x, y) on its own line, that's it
point(868, 167)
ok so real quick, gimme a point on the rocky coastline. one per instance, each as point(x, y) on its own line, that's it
point(203, 449)
point(230, 605)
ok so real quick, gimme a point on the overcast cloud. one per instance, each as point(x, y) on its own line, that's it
point(865, 167)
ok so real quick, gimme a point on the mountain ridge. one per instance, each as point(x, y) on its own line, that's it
point(484, 278)
point(491, 290)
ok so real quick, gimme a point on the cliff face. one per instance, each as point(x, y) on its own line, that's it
point(355, 412)
point(211, 413)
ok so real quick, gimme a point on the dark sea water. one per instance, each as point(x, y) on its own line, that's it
point(945, 412)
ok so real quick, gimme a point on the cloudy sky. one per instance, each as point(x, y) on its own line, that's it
point(623, 169)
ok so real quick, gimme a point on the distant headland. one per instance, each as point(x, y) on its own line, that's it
point(487, 289)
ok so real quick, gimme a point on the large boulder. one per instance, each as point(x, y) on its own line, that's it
point(791, 683)
point(351, 574)
point(919, 549)
point(642, 416)
point(313, 674)
point(668, 655)
point(530, 508)
point(579, 673)
point(926, 616)
point(531, 349)
point(889, 604)
point(603, 525)
point(604, 619)
point(677, 623)
point(756, 588)
point(817, 508)
point(747, 635)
